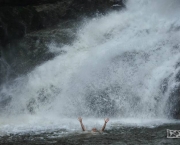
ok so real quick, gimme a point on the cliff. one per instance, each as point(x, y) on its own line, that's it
point(19, 17)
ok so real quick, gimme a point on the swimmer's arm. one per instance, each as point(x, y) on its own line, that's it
point(80, 120)
point(105, 122)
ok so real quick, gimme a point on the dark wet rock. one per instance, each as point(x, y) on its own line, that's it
point(176, 94)
point(5, 70)
point(173, 102)
point(164, 84)
point(117, 4)
point(23, 55)
point(23, 44)
point(21, 22)
point(175, 98)
point(50, 14)
point(19, 17)
point(18, 21)
point(15, 22)
point(25, 2)
point(4, 101)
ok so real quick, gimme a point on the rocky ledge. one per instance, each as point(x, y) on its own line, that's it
point(19, 17)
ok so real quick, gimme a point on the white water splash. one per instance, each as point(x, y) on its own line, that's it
point(124, 55)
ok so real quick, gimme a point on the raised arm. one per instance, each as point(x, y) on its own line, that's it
point(80, 120)
point(105, 122)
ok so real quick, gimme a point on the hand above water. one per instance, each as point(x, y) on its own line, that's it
point(106, 120)
point(80, 119)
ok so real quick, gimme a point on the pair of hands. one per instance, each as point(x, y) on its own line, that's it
point(106, 120)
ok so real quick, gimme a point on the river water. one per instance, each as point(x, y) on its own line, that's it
point(117, 134)
point(122, 65)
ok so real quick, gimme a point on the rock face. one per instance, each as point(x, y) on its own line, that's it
point(21, 21)
point(16, 21)
point(19, 17)
point(23, 55)
point(173, 101)
point(25, 2)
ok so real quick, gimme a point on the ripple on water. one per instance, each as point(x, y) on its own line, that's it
point(115, 135)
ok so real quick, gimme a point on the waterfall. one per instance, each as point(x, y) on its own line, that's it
point(123, 64)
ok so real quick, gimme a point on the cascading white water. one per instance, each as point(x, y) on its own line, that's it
point(115, 67)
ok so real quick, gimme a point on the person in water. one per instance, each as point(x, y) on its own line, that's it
point(93, 129)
